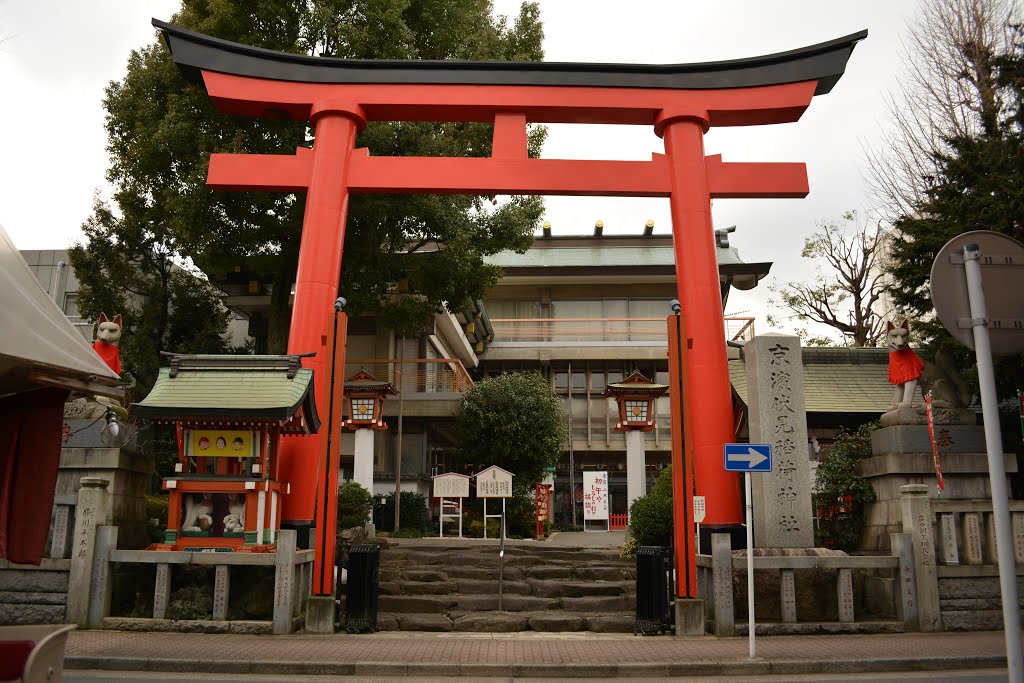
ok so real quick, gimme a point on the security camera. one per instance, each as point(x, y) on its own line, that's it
point(339, 304)
point(675, 306)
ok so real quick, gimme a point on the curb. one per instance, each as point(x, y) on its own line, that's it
point(754, 667)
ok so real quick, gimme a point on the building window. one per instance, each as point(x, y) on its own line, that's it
point(71, 306)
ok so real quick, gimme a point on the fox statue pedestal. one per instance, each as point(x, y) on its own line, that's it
point(902, 454)
point(85, 453)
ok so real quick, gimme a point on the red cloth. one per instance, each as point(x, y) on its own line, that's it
point(13, 656)
point(30, 434)
point(904, 365)
point(108, 352)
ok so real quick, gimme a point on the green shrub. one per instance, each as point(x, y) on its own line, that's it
point(355, 504)
point(476, 528)
point(414, 514)
point(156, 507)
point(650, 516)
point(841, 493)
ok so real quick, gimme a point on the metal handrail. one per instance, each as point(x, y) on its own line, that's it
point(601, 329)
point(428, 375)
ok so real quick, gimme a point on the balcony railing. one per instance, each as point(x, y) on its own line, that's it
point(418, 375)
point(601, 329)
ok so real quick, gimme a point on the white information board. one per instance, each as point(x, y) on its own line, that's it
point(698, 509)
point(493, 482)
point(595, 496)
point(451, 485)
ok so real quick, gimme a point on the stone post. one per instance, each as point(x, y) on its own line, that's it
point(782, 497)
point(284, 578)
point(787, 589)
point(971, 524)
point(636, 470)
point(61, 538)
point(362, 461)
point(917, 520)
point(947, 534)
point(221, 591)
point(1017, 525)
point(721, 580)
point(92, 511)
point(991, 556)
point(101, 585)
point(161, 591)
point(906, 600)
point(844, 589)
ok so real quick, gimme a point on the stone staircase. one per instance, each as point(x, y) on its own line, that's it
point(454, 587)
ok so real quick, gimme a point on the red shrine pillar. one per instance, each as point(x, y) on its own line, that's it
point(316, 288)
point(700, 296)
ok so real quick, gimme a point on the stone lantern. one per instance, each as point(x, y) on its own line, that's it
point(635, 395)
point(364, 396)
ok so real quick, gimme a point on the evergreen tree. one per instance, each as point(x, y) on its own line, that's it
point(514, 421)
point(128, 267)
point(162, 131)
point(979, 186)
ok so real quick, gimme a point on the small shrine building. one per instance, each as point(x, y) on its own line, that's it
point(230, 412)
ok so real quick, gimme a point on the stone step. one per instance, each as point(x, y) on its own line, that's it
point(973, 620)
point(399, 587)
point(21, 613)
point(542, 571)
point(505, 622)
point(579, 589)
point(418, 604)
point(33, 598)
point(977, 587)
point(510, 603)
point(966, 604)
point(28, 580)
point(820, 628)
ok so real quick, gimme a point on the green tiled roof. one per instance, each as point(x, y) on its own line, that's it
point(837, 380)
point(264, 388)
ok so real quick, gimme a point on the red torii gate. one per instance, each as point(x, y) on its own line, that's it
point(681, 101)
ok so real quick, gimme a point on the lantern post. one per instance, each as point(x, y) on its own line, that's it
point(636, 396)
point(364, 399)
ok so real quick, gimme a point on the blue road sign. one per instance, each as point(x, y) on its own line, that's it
point(748, 457)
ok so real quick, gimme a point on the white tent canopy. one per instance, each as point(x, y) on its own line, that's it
point(39, 345)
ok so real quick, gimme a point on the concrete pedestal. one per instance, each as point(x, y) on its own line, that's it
point(320, 614)
point(689, 617)
point(902, 455)
point(636, 466)
point(85, 455)
point(362, 463)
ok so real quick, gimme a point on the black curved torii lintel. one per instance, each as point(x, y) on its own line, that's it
point(824, 63)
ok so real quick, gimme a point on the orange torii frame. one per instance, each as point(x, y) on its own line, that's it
point(681, 102)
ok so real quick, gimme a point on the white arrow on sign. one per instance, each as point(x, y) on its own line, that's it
point(751, 457)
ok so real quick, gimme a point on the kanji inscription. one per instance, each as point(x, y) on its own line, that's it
point(782, 498)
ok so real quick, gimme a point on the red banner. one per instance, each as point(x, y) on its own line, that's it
point(931, 435)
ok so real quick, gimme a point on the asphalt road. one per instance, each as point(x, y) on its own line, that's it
point(969, 676)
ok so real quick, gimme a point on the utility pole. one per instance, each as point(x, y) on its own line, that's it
point(398, 446)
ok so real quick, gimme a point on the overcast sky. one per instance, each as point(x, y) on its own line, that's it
point(57, 56)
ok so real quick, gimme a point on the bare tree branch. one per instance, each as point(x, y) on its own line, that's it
point(946, 89)
point(846, 294)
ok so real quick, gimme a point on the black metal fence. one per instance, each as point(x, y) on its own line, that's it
point(362, 590)
point(655, 611)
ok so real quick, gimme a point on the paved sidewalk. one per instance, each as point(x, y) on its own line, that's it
point(532, 654)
